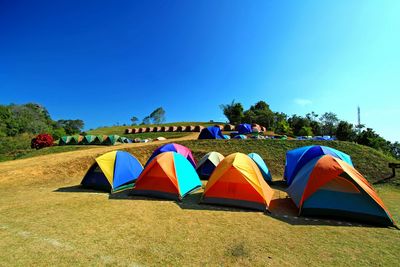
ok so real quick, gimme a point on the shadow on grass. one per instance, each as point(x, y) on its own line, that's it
point(284, 210)
point(78, 189)
point(192, 202)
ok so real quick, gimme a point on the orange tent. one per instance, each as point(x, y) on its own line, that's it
point(169, 175)
point(237, 181)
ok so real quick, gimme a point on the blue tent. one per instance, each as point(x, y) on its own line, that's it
point(112, 171)
point(212, 132)
point(245, 128)
point(297, 158)
point(262, 166)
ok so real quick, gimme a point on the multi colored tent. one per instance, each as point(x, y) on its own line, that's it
point(212, 132)
point(124, 139)
point(208, 163)
point(172, 147)
point(112, 171)
point(169, 175)
point(262, 166)
point(88, 139)
point(75, 140)
point(64, 140)
point(111, 140)
point(244, 128)
point(237, 181)
point(297, 158)
point(328, 186)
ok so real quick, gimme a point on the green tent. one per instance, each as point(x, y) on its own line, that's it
point(88, 139)
point(111, 140)
point(64, 140)
point(76, 140)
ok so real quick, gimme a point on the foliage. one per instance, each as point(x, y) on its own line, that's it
point(329, 121)
point(134, 120)
point(71, 126)
point(306, 131)
point(345, 131)
point(158, 116)
point(41, 141)
point(233, 112)
point(146, 120)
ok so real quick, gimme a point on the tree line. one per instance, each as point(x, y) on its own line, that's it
point(312, 124)
point(33, 118)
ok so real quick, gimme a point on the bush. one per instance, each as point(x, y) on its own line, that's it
point(41, 141)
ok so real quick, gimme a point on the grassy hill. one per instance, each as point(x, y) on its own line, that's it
point(47, 220)
point(120, 130)
point(18, 147)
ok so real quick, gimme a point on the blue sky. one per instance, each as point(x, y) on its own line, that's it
point(105, 61)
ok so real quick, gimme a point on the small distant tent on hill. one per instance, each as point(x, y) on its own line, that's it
point(111, 140)
point(88, 139)
point(240, 136)
point(237, 181)
point(172, 147)
point(169, 175)
point(244, 128)
point(328, 186)
point(297, 158)
point(262, 166)
point(208, 163)
point(75, 140)
point(64, 140)
point(112, 171)
point(211, 132)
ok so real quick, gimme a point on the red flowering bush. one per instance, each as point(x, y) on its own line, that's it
point(41, 141)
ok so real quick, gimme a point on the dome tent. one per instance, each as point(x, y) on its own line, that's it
point(328, 186)
point(112, 171)
point(169, 175)
point(172, 147)
point(212, 132)
point(237, 181)
point(297, 158)
point(208, 163)
point(244, 128)
point(262, 166)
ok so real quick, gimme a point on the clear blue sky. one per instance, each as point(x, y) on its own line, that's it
point(105, 61)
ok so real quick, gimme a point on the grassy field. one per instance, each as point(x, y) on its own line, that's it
point(47, 220)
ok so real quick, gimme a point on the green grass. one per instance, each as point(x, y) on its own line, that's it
point(47, 221)
point(370, 162)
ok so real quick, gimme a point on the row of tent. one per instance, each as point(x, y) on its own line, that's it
point(243, 128)
point(93, 140)
point(321, 181)
point(214, 132)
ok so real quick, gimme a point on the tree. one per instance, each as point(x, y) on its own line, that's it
point(233, 112)
point(71, 126)
point(158, 116)
point(146, 120)
point(345, 131)
point(395, 150)
point(283, 127)
point(369, 138)
point(263, 114)
point(329, 122)
point(297, 123)
point(249, 116)
point(305, 131)
point(134, 120)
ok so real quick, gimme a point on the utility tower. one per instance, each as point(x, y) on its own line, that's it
point(358, 119)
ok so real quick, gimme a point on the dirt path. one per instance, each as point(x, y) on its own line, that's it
point(66, 164)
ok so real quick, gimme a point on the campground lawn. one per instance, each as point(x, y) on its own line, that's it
point(46, 220)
